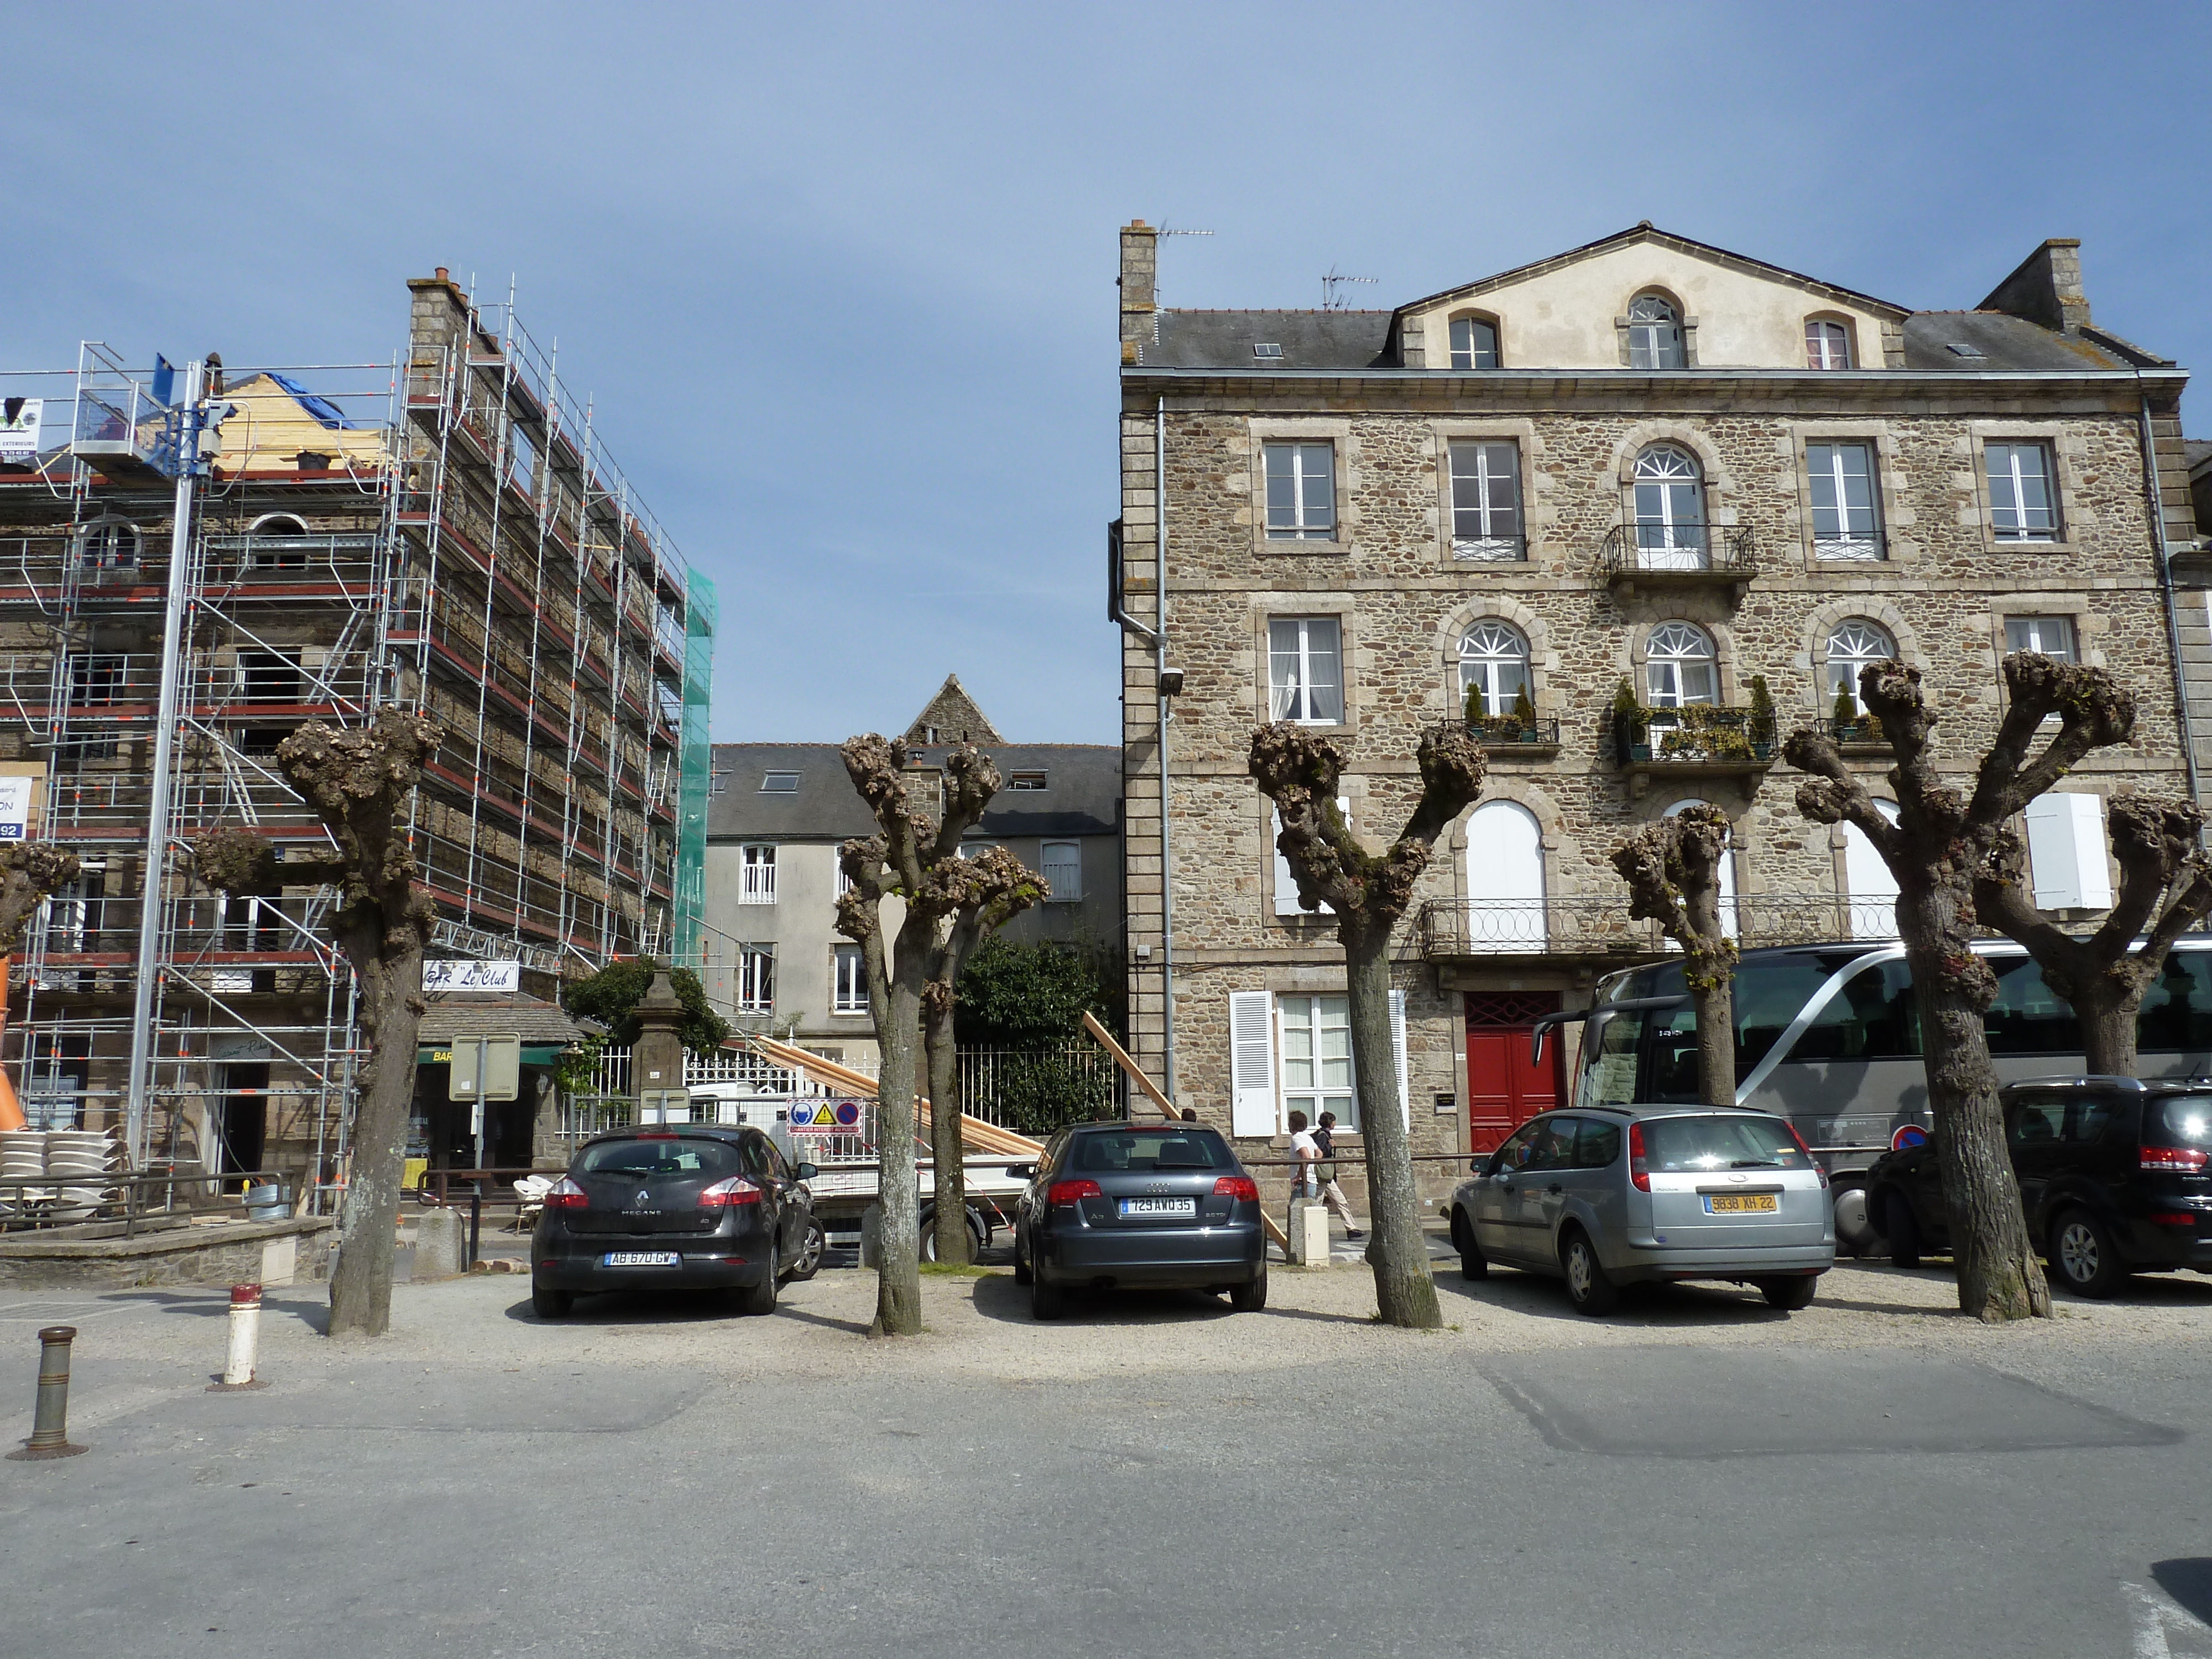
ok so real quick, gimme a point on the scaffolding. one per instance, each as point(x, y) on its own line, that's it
point(442, 534)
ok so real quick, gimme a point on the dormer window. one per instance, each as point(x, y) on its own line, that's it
point(1473, 343)
point(1654, 333)
point(1827, 344)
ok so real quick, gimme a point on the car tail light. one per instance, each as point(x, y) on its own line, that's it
point(1639, 1167)
point(566, 1194)
point(1066, 1192)
point(723, 1194)
point(2174, 1219)
point(1803, 1148)
point(2189, 1159)
point(1237, 1186)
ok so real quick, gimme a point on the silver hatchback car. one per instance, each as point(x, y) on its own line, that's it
point(1610, 1195)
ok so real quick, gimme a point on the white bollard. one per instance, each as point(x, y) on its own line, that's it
point(245, 1338)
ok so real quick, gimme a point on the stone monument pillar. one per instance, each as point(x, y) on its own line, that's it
point(656, 1060)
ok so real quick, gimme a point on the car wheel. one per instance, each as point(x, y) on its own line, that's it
point(1855, 1229)
point(1022, 1273)
point(2081, 1250)
point(1472, 1264)
point(1790, 1294)
point(1251, 1296)
point(1587, 1287)
point(810, 1251)
point(929, 1239)
point(1902, 1228)
point(1046, 1301)
point(551, 1304)
point(760, 1299)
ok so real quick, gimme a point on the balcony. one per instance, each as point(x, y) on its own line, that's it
point(1510, 738)
point(1663, 558)
point(1863, 737)
point(1868, 549)
point(1601, 930)
point(1699, 740)
point(1489, 549)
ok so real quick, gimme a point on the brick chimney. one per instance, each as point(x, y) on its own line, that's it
point(2046, 289)
point(1140, 263)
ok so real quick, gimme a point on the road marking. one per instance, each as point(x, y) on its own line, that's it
point(2159, 1620)
point(52, 1312)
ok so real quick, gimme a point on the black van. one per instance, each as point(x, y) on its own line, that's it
point(2115, 1174)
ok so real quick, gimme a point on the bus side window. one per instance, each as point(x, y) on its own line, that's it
point(2028, 1016)
point(2176, 1008)
point(1871, 1017)
point(1674, 1057)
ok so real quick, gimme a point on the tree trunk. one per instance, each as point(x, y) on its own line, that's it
point(1713, 996)
point(1405, 1293)
point(945, 1146)
point(2000, 1277)
point(390, 1017)
point(898, 1280)
point(2108, 1028)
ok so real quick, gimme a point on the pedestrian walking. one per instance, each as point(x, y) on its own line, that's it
point(1324, 1169)
point(1307, 1152)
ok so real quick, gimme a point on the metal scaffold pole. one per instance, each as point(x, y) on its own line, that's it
point(165, 737)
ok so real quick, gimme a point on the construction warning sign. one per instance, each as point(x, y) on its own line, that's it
point(825, 1117)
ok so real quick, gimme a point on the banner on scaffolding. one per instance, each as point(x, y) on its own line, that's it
point(446, 974)
point(16, 806)
point(20, 419)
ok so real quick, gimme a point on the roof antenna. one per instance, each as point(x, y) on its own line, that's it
point(1333, 296)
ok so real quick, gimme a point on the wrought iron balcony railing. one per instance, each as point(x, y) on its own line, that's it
point(1458, 929)
point(1508, 732)
point(1489, 549)
point(1699, 735)
point(1869, 548)
point(1689, 551)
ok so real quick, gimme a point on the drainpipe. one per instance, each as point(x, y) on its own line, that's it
point(2165, 557)
point(1159, 686)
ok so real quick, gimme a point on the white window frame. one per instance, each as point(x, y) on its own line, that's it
point(756, 980)
point(1652, 317)
point(1670, 509)
point(1027, 783)
point(1060, 889)
point(756, 873)
point(1313, 1017)
point(2018, 530)
point(1666, 649)
point(2027, 633)
point(1486, 664)
point(1845, 541)
point(1309, 513)
point(1843, 663)
point(1297, 690)
point(1827, 344)
point(849, 980)
point(1484, 471)
point(768, 778)
point(1465, 351)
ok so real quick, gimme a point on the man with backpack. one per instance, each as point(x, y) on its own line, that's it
point(1324, 1170)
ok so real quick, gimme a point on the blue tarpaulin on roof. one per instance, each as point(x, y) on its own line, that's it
point(321, 408)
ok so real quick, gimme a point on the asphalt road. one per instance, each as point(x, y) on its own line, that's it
point(1905, 1497)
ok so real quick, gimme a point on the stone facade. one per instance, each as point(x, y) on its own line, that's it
point(1205, 393)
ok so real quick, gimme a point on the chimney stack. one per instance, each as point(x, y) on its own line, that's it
point(1140, 246)
point(2046, 289)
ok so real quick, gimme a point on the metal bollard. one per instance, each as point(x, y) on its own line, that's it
point(245, 1338)
point(50, 1424)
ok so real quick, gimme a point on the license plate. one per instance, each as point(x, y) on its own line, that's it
point(1137, 1206)
point(1742, 1203)
point(641, 1259)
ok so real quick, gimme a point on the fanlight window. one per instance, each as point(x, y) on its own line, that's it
point(1853, 644)
point(1493, 661)
point(1654, 333)
point(108, 544)
point(1670, 510)
point(1678, 668)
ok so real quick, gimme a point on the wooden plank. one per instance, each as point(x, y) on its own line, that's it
point(986, 1137)
point(1121, 1058)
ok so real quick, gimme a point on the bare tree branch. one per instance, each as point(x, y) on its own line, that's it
point(29, 870)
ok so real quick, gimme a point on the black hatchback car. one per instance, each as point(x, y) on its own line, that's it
point(1159, 1206)
point(2113, 1175)
point(692, 1206)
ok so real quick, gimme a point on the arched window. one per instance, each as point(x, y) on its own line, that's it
point(1473, 343)
point(1654, 333)
point(272, 542)
point(1678, 666)
point(1827, 344)
point(1670, 510)
point(1493, 658)
point(1729, 917)
point(108, 544)
point(1504, 878)
point(1870, 888)
point(1852, 644)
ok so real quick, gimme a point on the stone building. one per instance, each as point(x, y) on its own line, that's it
point(1630, 496)
point(772, 954)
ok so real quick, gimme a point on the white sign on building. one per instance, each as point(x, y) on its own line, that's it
point(20, 418)
point(16, 808)
point(464, 975)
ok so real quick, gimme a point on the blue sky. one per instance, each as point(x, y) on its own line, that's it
point(840, 278)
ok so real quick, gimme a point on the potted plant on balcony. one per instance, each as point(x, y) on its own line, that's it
point(1631, 725)
point(1523, 717)
point(1759, 729)
point(1850, 724)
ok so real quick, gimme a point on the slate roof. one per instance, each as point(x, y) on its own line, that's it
point(2199, 453)
point(2006, 342)
point(1081, 797)
point(1309, 339)
point(449, 1019)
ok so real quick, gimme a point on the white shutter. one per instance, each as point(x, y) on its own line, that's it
point(1286, 884)
point(1251, 1064)
point(1398, 1050)
point(2066, 852)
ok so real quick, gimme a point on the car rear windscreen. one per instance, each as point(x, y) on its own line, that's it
point(1145, 1151)
point(673, 1157)
point(1678, 1145)
point(2188, 1120)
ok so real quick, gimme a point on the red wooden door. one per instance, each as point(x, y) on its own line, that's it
point(1504, 1091)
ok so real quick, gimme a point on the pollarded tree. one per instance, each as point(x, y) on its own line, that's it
point(915, 858)
point(1298, 772)
point(1673, 869)
point(358, 781)
point(29, 870)
point(1937, 849)
point(994, 887)
point(2166, 890)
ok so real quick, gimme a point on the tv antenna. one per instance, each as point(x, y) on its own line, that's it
point(1167, 231)
point(1333, 297)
